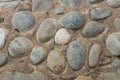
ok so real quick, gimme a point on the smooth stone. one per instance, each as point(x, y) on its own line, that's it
point(23, 21)
point(117, 23)
point(19, 46)
point(75, 55)
point(3, 59)
point(47, 30)
point(59, 11)
point(62, 36)
point(113, 3)
point(56, 61)
point(99, 13)
point(113, 43)
point(94, 54)
point(70, 3)
point(84, 78)
point(42, 5)
point(93, 1)
point(38, 54)
point(93, 29)
point(72, 20)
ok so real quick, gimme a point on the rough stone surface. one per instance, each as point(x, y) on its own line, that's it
point(75, 55)
point(3, 59)
point(72, 20)
point(117, 23)
point(114, 3)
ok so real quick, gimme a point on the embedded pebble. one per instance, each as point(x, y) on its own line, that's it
point(117, 23)
point(23, 21)
point(113, 3)
point(72, 20)
point(59, 11)
point(62, 36)
point(113, 43)
point(56, 61)
point(100, 13)
point(38, 54)
point(94, 54)
point(1, 19)
point(19, 46)
point(75, 55)
point(47, 30)
point(3, 59)
point(92, 29)
point(94, 1)
point(70, 3)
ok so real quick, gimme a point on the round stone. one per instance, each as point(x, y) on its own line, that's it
point(94, 54)
point(100, 13)
point(62, 36)
point(23, 21)
point(56, 61)
point(72, 20)
point(70, 3)
point(117, 23)
point(113, 43)
point(38, 54)
point(92, 29)
point(114, 3)
point(47, 30)
point(94, 1)
point(75, 55)
point(19, 46)
point(3, 59)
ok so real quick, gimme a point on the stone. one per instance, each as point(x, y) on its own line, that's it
point(62, 36)
point(84, 78)
point(42, 5)
point(92, 29)
point(75, 55)
point(23, 21)
point(113, 43)
point(117, 23)
point(113, 3)
point(56, 61)
point(19, 46)
point(70, 3)
point(99, 13)
point(93, 1)
point(47, 30)
point(94, 54)
point(1, 19)
point(72, 20)
point(3, 59)
point(38, 54)
point(59, 11)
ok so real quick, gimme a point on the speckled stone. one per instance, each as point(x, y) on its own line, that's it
point(113, 3)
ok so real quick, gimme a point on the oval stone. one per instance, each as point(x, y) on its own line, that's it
point(47, 30)
point(75, 55)
point(92, 29)
point(23, 21)
point(56, 61)
point(72, 20)
point(19, 46)
point(113, 3)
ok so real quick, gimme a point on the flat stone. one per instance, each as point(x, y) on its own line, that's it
point(47, 30)
point(93, 1)
point(113, 43)
point(117, 23)
point(84, 78)
point(3, 59)
point(38, 54)
point(70, 3)
point(113, 3)
point(56, 61)
point(62, 36)
point(19, 46)
point(23, 21)
point(99, 13)
point(93, 29)
point(72, 20)
point(94, 54)
point(42, 5)
point(75, 55)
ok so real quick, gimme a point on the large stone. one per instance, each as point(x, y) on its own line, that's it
point(47, 30)
point(75, 55)
point(113, 3)
point(72, 20)
point(23, 21)
point(3, 59)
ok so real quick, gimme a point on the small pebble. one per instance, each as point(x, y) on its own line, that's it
point(59, 11)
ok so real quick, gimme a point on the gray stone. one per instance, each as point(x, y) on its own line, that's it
point(94, 54)
point(38, 54)
point(72, 20)
point(117, 23)
point(113, 43)
point(75, 55)
point(42, 5)
point(92, 29)
point(56, 61)
point(19, 46)
point(3, 58)
point(59, 11)
point(70, 3)
point(23, 21)
point(94, 1)
point(47, 30)
point(100, 13)
point(113, 3)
